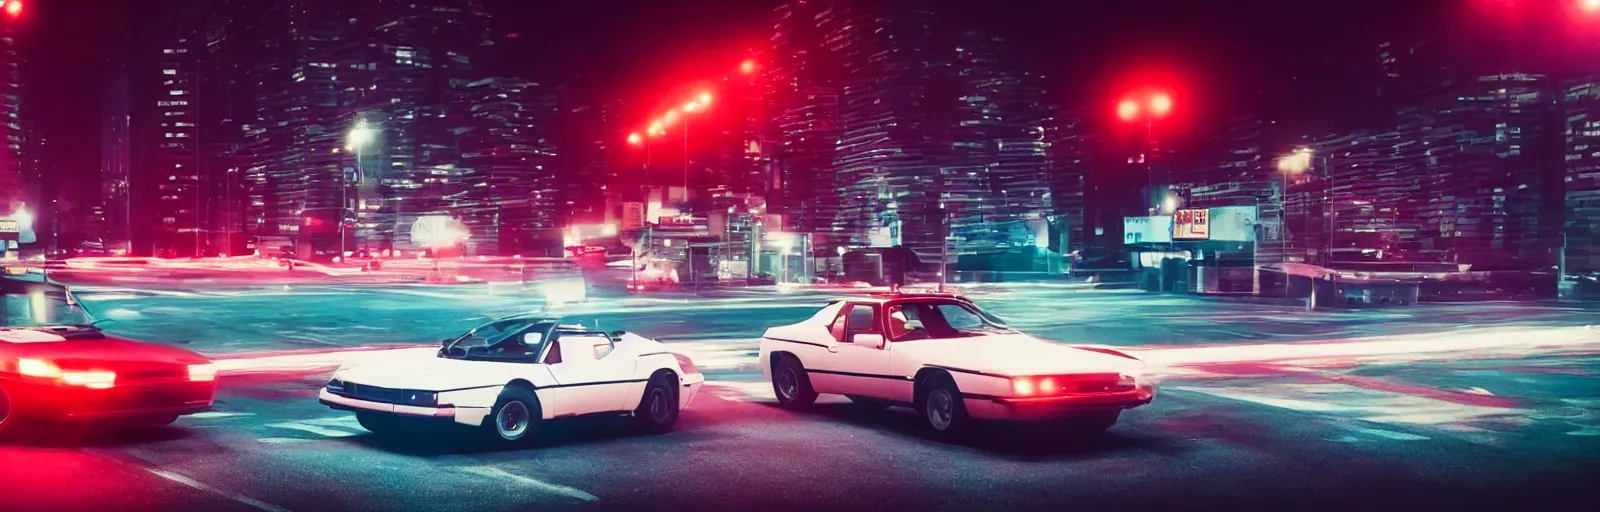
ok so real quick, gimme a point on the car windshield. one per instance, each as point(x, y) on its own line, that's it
point(493, 335)
point(941, 320)
point(40, 306)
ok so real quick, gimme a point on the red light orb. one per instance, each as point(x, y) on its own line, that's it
point(634, 138)
point(747, 67)
point(13, 8)
point(1128, 110)
point(1160, 104)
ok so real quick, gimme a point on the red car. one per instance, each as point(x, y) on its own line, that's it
point(56, 365)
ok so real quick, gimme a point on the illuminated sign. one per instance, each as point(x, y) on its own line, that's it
point(9, 230)
point(1233, 224)
point(1146, 230)
point(1191, 225)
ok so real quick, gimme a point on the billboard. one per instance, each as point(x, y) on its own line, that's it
point(1233, 223)
point(1193, 224)
point(10, 229)
point(1146, 230)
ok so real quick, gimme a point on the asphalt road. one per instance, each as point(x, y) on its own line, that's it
point(1262, 407)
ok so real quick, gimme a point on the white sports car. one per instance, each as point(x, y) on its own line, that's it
point(507, 375)
point(949, 360)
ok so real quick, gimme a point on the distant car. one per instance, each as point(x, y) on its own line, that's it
point(55, 365)
point(507, 376)
point(949, 360)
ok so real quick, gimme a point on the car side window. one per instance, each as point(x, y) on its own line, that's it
point(837, 327)
point(863, 318)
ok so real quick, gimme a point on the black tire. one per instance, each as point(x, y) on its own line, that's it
point(150, 422)
point(942, 409)
point(658, 407)
point(792, 385)
point(507, 424)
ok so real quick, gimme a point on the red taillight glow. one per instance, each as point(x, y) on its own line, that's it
point(1048, 386)
point(38, 368)
point(202, 372)
point(91, 380)
point(1022, 386)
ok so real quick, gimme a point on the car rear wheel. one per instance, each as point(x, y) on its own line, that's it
point(791, 384)
point(658, 408)
point(942, 408)
point(515, 416)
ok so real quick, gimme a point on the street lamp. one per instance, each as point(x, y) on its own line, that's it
point(1147, 106)
point(13, 8)
point(357, 140)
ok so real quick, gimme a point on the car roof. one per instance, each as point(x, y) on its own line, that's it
point(879, 298)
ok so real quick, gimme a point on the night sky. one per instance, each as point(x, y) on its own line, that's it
point(1295, 57)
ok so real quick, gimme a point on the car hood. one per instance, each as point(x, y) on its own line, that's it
point(1015, 355)
point(33, 343)
point(429, 374)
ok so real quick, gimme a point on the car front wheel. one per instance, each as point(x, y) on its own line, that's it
point(791, 384)
point(942, 408)
point(658, 408)
point(514, 417)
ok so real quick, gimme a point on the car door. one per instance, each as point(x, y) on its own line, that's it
point(857, 368)
point(589, 379)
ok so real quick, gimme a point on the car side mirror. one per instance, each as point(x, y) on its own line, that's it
point(868, 340)
point(532, 339)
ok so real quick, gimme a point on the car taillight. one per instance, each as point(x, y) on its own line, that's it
point(1048, 386)
point(202, 372)
point(91, 380)
point(1022, 386)
point(685, 363)
point(38, 368)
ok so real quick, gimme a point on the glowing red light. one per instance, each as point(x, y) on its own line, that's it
point(1022, 386)
point(1127, 110)
point(691, 106)
point(705, 98)
point(672, 115)
point(1048, 386)
point(1592, 6)
point(635, 139)
point(747, 67)
point(1160, 104)
point(13, 8)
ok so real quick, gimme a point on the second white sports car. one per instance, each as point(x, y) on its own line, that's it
point(950, 361)
point(508, 375)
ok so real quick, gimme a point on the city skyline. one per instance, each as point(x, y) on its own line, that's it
point(984, 146)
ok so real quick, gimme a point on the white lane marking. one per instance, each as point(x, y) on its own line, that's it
point(282, 440)
point(207, 488)
point(321, 431)
point(347, 421)
point(563, 490)
point(217, 414)
point(1390, 434)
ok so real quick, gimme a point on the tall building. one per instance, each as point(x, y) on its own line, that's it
point(802, 95)
point(115, 224)
point(17, 183)
point(1582, 195)
point(894, 164)
point(281, 87)
point(1001, 134)
point(175, 166)
point(1073, 145)
point(510, 161)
